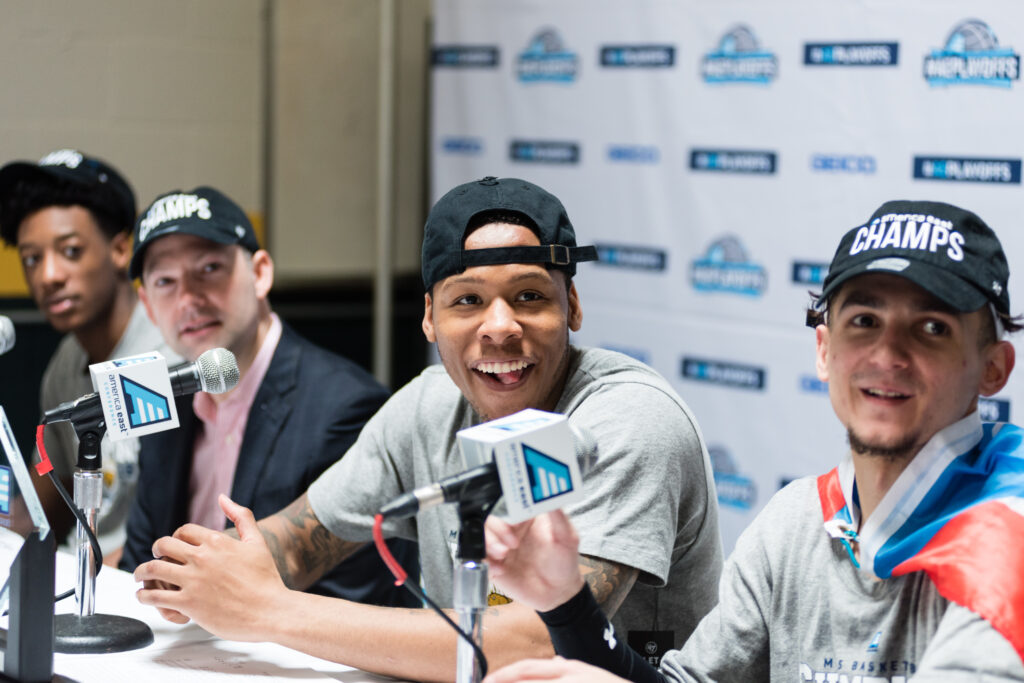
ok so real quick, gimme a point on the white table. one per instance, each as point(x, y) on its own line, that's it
point(182, 654)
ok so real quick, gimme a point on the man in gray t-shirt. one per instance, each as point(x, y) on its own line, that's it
point(498, 256)
point(904, 562)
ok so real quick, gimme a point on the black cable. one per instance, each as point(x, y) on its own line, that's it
point(401, 576)
point(97, 552)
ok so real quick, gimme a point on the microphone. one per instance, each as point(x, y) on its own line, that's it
point(215, 372)
point(6, 334)
point(540, 480)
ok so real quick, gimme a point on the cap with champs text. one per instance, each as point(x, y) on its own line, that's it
point(445, 230)
point(203, 212)
point(948, 251)
point(106, 186)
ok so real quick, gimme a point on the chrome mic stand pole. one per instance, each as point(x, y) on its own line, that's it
point(88, 632)
point(470, 589)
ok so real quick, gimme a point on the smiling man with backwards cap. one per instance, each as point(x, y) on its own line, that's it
point(70, 217)
point(498, 258)
point(205, 283)
point(903, 563)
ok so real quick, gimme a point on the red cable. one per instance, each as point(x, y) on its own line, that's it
point(44, 465)
point(385, 553)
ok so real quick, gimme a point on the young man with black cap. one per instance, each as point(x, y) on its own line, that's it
point(903, 563)
point(498, 257)
point(70, 217)
point(205, 283)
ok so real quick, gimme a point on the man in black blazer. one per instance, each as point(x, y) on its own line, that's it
point(296, 409)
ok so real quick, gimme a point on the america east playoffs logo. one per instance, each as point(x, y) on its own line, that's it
point(739, 58)
point(972, 55)
point(546, 59)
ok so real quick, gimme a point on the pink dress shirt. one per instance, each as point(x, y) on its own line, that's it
point(219, 440)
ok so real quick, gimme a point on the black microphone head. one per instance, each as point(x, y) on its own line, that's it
point(6, 334)
point(218, 371)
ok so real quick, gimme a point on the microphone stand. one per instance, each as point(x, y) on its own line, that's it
point(470, 588)
point(88, 632)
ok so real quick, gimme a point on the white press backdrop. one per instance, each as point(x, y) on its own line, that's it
point(716, 152)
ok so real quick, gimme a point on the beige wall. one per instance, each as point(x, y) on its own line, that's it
point(326, 123)
point(172, 92)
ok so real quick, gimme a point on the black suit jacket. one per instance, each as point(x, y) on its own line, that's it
point(308, 410)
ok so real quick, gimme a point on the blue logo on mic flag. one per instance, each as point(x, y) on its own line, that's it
point(548, 477)
point(147, 406)
point(5, 490)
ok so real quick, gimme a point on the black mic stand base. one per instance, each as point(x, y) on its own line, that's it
point(97, 633)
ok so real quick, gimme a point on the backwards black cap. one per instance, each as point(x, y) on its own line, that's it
point(105, 185)
point(947, 250)
point(445, 231)
point(203, 212)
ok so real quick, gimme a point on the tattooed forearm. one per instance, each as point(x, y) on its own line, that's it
point(302, 547)
point(610, 582)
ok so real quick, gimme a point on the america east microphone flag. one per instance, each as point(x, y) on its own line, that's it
point(956, 513)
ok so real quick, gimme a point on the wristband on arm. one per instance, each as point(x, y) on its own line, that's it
point(580, 630)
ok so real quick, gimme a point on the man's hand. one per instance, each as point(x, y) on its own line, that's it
point(535, 562)
point(555, 669)
point(229, 587)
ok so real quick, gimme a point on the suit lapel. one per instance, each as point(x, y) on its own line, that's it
point(270, 408)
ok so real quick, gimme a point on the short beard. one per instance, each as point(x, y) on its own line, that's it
point(897, 451)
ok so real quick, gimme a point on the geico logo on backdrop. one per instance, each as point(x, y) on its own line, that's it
point(465, 56)
point(629, 256)
point(843, 163)
point(734, 489)
point(545, 59)
point(810, 384)
point(851, 54)
point(739, 59)
point(638, 56)
point(968, 169)
point(725, 267)
point(545, 152)
point(467, 146)
point(809, 273)
point(994, 409)
point(722, 372)
point(637, 154)
point(633, 352)
point(972, 56)
point(733, 161)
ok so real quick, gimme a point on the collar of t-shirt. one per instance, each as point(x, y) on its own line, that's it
point(217, 445)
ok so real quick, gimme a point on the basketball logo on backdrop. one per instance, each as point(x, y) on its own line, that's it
point(726, 267)
point(972, 56)
point(739, 58)
point(546, 60)
point(735, 489)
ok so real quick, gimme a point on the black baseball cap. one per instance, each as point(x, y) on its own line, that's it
point(445, 231)
point(203, 212)
point(106, 187)
point(948, 251)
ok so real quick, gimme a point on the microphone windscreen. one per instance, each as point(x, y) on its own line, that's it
point(6, 334)
point(218, 371)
